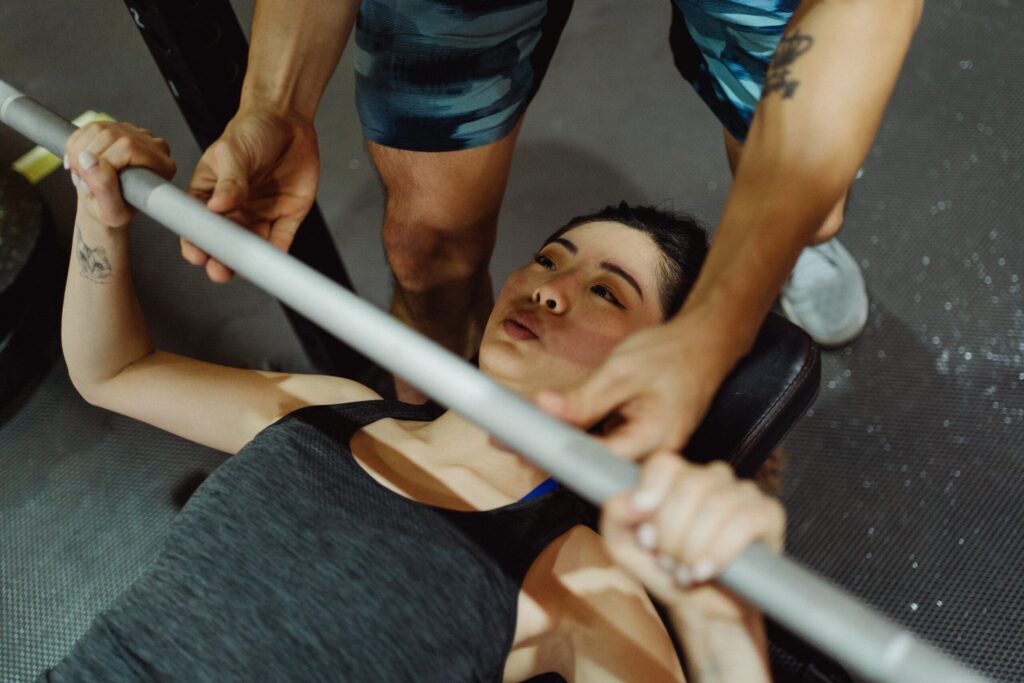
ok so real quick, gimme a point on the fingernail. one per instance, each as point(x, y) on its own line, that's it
point(703, 570)
point(647, 536)
point(683, 577)
point(86, 160)
point(666, 562)
point(67, 162)
point(74, 179)
point(646, 500)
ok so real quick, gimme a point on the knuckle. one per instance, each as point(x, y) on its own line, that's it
point(107, 137)
point(691, 484)
point(711, 506)
point(118, 152)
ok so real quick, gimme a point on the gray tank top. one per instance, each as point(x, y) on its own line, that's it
point(290, 562)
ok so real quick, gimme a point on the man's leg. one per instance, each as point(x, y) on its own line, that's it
point(441, 90)
point(439, 231)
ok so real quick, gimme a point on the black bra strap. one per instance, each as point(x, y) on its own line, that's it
point(361, 413)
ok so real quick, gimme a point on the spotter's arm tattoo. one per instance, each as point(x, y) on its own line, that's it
point(790, 49)
point(93, 260)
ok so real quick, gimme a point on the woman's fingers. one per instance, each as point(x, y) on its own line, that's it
point(684, 524)
point(96, 153)
point(626, 524)
point(657, 477)
point(757, 520)
point(688, 508)
point(103, 191)
point(693, 520)
point(627, 516)
point(723, 526)
point(97, 177)
point(727, 518)
point(132, 151)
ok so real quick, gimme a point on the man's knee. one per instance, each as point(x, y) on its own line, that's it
point(442, 211)
point(426, 252)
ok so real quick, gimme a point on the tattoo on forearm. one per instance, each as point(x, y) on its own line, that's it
point(790, 49)
point(93, 260)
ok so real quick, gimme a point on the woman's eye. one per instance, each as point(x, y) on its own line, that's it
point(606, 294)
point(544, 261)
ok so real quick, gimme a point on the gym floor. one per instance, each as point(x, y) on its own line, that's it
point(902, 482)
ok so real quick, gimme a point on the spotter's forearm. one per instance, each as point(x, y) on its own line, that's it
point(822, 103)
point(296, 45)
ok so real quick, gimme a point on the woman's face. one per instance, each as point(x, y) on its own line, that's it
point(557, 318)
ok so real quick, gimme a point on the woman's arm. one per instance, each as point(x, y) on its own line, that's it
point(110, 356)
point(604, 620)
point(103, 330)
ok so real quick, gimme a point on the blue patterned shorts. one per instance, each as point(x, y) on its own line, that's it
point(439, 75)
point(723, 48)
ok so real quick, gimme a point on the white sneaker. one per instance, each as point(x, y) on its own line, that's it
point(825, 295)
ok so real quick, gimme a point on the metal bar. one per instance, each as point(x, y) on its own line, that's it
point(837, 623)
point(201, 52)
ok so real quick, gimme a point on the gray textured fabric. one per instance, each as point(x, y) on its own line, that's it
point(291, 563)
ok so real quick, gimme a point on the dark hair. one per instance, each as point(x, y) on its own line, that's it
point(682, 240)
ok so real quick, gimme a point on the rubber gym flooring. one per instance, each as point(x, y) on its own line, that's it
point(903, 482)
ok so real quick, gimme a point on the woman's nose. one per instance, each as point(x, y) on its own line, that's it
point(552, 297)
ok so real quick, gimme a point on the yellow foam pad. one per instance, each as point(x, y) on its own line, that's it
point(38, 163)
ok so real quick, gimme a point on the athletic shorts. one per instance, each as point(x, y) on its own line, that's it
point(441, 75)
point(723, 48)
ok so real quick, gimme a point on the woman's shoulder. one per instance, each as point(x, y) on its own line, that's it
point(341, 407)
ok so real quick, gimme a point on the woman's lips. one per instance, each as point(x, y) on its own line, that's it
point(518, 330)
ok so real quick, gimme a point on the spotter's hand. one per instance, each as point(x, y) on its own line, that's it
point(652, 391)
point(262, 173)
point(95, 153)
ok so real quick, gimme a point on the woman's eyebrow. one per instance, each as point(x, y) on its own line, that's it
point(573, 249)
point(618, 270)
point(606, 265)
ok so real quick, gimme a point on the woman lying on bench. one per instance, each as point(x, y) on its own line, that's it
point(354, 538)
